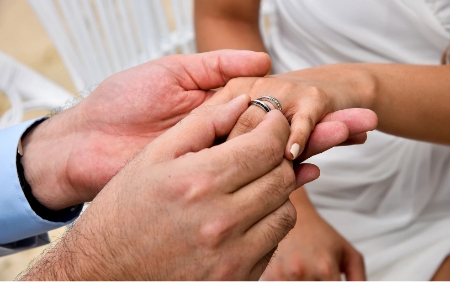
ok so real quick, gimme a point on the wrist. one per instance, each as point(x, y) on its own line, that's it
point(358, 86)
point(305, 209)
point(349, 85)
point(44, 164)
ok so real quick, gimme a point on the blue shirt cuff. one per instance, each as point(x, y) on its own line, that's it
point(17, 219)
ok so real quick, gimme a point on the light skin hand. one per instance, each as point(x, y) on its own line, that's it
point(305, 103)
point(211, 214)
point(400, 102)
point(89, 143)
point(313, 250)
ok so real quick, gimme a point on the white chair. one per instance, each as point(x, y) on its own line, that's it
point(96, 38)
point(26, 91)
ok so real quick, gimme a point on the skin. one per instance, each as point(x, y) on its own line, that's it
point(400, 102)
point(89, 143)
point(234, 195)
point(314, 262)
point(228, 206)
point(125, 113)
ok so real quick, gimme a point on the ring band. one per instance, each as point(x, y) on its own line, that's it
point(271, 99)
point(262, 105)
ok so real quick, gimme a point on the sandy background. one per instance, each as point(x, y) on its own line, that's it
point(23, 37)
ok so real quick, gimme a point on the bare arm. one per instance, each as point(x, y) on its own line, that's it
point(227, 24)
point(411, 101)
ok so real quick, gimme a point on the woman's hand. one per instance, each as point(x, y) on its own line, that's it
point(411, 101)
point(313, 250)
point(306, 96)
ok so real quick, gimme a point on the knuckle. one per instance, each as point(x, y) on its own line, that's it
point(316, 93)
point(196, 188)
point(288, 175)
point(306, 119)
point(288, 86)
point(287, 221)
point(296, 271)
point(325, 268)
point(260, 82)
point(291, 216)
point(213, 233)
point(282, 226)
point(281, 181)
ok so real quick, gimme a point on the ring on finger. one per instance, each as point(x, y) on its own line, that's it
point(272, 100)
point(260, 104)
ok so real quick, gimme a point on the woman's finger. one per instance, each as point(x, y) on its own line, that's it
point(353, 265)
point(345, 127)
point(307, 114)
point(357, 120)
point(325, 136)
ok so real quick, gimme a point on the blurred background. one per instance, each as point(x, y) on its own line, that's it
point(23, 37)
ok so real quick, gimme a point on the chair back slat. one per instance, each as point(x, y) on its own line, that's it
point(97, 38)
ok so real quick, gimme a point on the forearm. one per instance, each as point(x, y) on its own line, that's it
point(227, 25)
point(411, 101)
point(68, 260)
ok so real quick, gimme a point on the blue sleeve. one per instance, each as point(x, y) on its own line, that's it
point(20, 227)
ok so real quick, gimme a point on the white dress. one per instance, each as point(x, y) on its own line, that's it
point(391, 196)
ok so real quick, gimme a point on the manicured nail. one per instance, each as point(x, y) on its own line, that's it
point(295, 149)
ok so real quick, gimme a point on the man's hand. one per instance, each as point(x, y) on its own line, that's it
point(214, 214)
point(70, 157)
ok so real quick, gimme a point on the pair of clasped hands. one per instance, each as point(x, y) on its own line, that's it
point(171, 199)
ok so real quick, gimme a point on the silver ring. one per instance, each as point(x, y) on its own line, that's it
point(262, 105)
point(272, 100)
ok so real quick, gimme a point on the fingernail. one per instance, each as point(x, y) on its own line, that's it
point(295, 149)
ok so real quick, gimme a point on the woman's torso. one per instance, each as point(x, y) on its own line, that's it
point(390, 184)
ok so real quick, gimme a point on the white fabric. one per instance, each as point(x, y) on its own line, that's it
point(391, 196)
